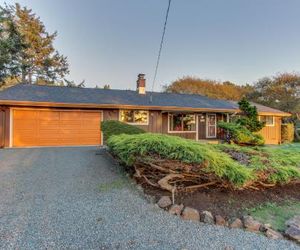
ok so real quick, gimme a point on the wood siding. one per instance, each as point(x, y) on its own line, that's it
point(154, 124)
point(158, 123)
point(220, 132)
point(2, 128)
point(272, 134)
point(110, 114)
point(5, 127)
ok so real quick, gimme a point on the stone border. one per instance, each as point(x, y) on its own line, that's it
point(246, 222)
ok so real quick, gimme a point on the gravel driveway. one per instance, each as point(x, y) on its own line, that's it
point(76, 199)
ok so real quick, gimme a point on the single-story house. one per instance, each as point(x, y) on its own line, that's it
point(38, 115)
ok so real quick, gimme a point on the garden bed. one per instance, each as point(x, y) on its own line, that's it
point(220, 183)
point(179, 165)
point(231, 203)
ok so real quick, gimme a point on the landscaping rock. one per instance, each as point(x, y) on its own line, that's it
point(237, 223)
point(176, 209)
point(250, 224)
point(207, 217)
point(164, 202)
point(272, 234)
point(295, 221)
point(293, 233)
point(220, 221)
point(190, 214)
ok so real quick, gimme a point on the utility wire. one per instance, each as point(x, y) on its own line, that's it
point(160, 49)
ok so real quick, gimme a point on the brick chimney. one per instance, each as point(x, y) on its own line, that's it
point(141, 84)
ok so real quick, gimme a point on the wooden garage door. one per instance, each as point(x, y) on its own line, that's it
point(55, 128)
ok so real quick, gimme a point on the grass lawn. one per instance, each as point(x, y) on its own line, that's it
point(275, 214)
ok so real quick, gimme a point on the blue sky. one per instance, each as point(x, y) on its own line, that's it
point(111, 41)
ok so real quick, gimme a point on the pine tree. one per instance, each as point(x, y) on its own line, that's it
point(11, 48)
point(249, 118)
point(40, 61)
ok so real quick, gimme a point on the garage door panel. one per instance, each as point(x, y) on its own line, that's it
point(25, 140)
point(48, 116)
point(25, 114)
point(70, 116)
point(48, 133)
point(55, 128)
point(89, 133)
point(25, 124)
point(46, 125)
point(91, 117)
point(70, 125)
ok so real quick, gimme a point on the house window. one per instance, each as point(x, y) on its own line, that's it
point(182, 123)
point(134, 116)
point(268, 120)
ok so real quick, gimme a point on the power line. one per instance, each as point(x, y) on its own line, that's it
point(160, 48)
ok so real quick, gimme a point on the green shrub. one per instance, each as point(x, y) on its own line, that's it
point(110, 128)
point(249, 118)
point(287, 132)
point(128, 148)
point(240, 134)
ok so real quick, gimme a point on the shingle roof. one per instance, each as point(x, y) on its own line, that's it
point(74, 95)
point(57, 94)
point(264, 109)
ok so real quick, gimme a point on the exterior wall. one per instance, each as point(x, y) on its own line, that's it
point(110, 114)
point(158, 123)
point(4, 126)
point(154, 125)
point(220, 132)
point(272, 134)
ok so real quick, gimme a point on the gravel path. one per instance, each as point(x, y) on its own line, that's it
point(72, 198)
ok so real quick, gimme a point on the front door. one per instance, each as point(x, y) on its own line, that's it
point(211, 126)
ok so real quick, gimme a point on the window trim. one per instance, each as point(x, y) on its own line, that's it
point(273, 121)
point(182, 132)
point(216, 130)
point(135, 123)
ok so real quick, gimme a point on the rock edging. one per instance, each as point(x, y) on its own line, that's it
point(247, 223)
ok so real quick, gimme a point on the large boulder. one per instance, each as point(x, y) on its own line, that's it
point(250, 224)
point(293, 233)
point(190, 214)
point(207, 217)
point(176, 209)
point(295, 221)
point(164, 202)
point(293, 230)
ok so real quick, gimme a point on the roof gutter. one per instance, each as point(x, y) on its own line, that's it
point(120, 106)
point(109, 106)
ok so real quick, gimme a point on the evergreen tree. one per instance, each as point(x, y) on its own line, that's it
point(40, 61)
point(249, 118)
point(12, 48)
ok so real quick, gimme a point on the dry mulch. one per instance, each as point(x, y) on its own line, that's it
point(230, 203)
